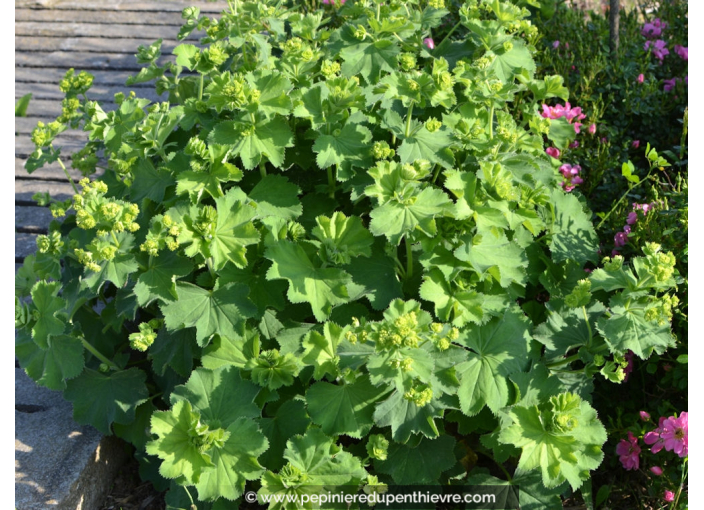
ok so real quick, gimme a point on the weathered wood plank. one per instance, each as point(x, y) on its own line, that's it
point(32, 217)
point(25, 125)
point(88, 30)
point(24, 189)
point(55, 74)
point(83, 60)
point(43, 109)
point(25, 244)
point(88, 44)
point(52, 171)
point(121, 5)
point(96, 93)
point(99, 17)
point(24, 146)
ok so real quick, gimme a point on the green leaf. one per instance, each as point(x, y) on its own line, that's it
point(419, 465)
point(274, 90)
point(187, 55)
point(342, 238)
point(149, 182)
point(48, 305)
point(100, 399)
point(406, 418)
point(254, 140)
point(451, 304)
point(507, 65)
point(320, 351)
point(498, 349)
point(159, 280)
point(367, 59)
point(396, 219)
point(344, 409)
point(561, 133)
point(21, 105)
point(628, 329)
point(422, 144)
point(175, 444)
point(234, 230)
point(221, 396)
point(50, 367)
point(209, 311)
point(290, 419)
point(116, 270)
point(234, 463)
point(567, 329)
point(627, 171)
point(573, 235)
point(492, 253)
point(234, 350)
point(377, 276)
point(175, 350)
point(562, 438)
point(347, 148)
point(275, 196)
point(528, 488)
point(323, 288)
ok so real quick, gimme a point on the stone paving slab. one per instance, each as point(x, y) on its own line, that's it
point(59, 464)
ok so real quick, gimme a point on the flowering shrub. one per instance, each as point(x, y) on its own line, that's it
point(337, 255)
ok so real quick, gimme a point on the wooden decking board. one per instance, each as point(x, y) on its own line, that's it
point(84, 60)
point(25, 125)
point(58, 190)
point(88, 44)
point(120, 5)
point(89, 30)
point(50, 91)
point(101, 18)
point(52, 171)
point(34, 218)
point(109, 77)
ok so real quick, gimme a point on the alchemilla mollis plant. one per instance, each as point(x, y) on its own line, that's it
point(337, 255)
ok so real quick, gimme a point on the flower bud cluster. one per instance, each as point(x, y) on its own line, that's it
point(163, 233)
point(381, 150)
point(51, 243)
point(74, 84)
point(419, 394)
point(43, 135)
point(94, 210)
point(144, 338)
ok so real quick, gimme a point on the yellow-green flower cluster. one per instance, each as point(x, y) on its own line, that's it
point(407, 61)
point(329, 69)
point(163, 233)
point(581, 295)
point(420, 395)
point(381, 150)
point(436, 4)
point(378, 447)
point(144, 338)
point(661, 310)
point(432, 124)
point(73, 84)
point(661, 265)
point(43, 135)
point(51, 243)
point(94, 210)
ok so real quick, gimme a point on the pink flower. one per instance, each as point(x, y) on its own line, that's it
point(628, 452)
point(574, 145)
point(660, 50)
point(641, 78)
point(603, 139)
point(653, 437)
point(614, 252)
point(577, 125)
point(627, 229)
point(553, 152)
point(592, 129)
point(669, 496)
point(428, 41)
point(632, 218)
point(682, 51)
point(656, 470)
point(635, 144)
point(555, 45)
point(669, 84)
point(587, 270)
point(654, 29)
point(644, 415)
point(675, 434)
point(567, 45)
point(620, 239)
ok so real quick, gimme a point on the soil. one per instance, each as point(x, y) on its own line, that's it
point(128, 492)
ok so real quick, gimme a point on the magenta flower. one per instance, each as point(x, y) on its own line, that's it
point(553, 152)
point(428, 41)
point(628, 452)
point(631, 219)
point(675, 434)
point(574, 145)
point(641, 78)
point(577, 125)
point(629, 368)
point(627, 229)
point(644, 415)
point(555, 45)
point(592, 129)
point(656, 470)
point(620, 239)
point(653, 29)
point(669, 84)
point(669, 496)
point(635, 144)
point(653, 437)
point(659, 50)
point(682, 51)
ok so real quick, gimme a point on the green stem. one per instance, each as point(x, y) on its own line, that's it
point(589, 327)
point(200, 88)
point(630, 187)
point(378, 11)
point(491, 121)
point(262, 169)
point(95, 352)
point(73, 184)
point(409, 258)
point(331, 182)
point(408, 119)
point(436, 174)
point(679, 489)
point(114, 238)
point(449, 34)
point(574, 357)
